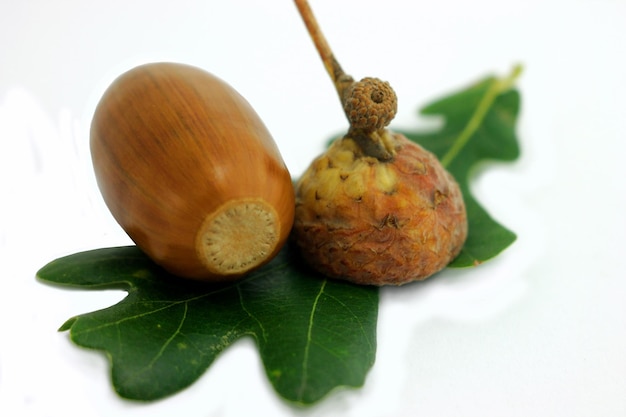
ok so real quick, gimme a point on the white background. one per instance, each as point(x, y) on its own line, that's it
point(539, 331)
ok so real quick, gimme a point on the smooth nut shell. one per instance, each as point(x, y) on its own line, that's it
point(170, 145)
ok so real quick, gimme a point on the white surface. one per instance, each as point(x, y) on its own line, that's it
point(540, 331)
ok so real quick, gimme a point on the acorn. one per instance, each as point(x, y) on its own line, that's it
point(190, 172)
point(375, 208)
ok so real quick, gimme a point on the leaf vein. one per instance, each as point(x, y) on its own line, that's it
point(170, 304)
point(171, 338)
point(252, 316)
point(355, 316)
point(305, 360)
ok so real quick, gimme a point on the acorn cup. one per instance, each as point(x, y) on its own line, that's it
point(374, 208)
point(190, 172)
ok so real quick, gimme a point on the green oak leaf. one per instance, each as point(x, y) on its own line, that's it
point(313, 334)
point(479, 126)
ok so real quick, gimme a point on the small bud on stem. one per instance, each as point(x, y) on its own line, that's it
point(369, 104)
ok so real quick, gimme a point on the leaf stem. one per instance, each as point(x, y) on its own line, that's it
point(497, 87)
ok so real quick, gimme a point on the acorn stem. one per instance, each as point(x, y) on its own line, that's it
point(340, 79)
point(369, 104)
point(375, 143)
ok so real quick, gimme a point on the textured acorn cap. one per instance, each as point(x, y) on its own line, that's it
point(379, 223)
point(370, 104)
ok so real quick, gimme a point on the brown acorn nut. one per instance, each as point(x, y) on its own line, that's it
point(375, 208)
point(190, 172)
